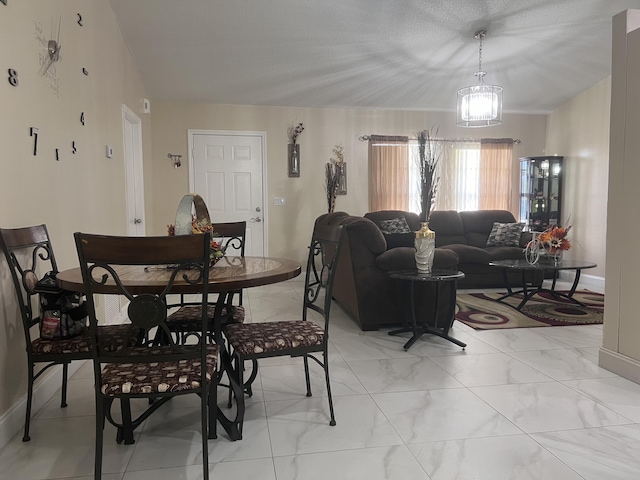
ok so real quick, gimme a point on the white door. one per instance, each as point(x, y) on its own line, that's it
point(132, 130)
point(226, 170)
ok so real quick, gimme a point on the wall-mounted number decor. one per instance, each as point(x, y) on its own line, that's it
point(82, 118)
point(4, 1)
point(74, 150)
point(57, 155)
point(33, 132)
point(13, 77)
point(85, 71)
point(79, 19)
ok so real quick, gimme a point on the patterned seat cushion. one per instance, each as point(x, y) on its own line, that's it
point(115, 337)
point(256, 338)
point(142, 378)
point(188, 317)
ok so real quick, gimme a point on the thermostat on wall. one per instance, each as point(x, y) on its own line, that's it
point(146, 106)
point(109, 151)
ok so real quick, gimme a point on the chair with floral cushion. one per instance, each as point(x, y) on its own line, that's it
point(29, 255)
point(184, 321)
point(155, 372)
point(299, 338)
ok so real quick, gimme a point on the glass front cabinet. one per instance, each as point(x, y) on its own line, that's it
point(540, 192)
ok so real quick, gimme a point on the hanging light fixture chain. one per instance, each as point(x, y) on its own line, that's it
point(480, 55)
point(480, 34)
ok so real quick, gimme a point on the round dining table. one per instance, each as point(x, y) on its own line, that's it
point(229, 274)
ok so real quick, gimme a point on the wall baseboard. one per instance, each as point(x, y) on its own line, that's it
point(44, 389)
point(590, 282)
point(622, 365)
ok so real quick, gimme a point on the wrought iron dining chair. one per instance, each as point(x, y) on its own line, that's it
point(155, 372)
point(299, 338)
point(184, 321)
point(28, 251)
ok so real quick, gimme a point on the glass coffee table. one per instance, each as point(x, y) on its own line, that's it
point(544, 265)
point(407, 280)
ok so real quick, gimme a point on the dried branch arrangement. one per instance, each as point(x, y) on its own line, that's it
point(428, 157)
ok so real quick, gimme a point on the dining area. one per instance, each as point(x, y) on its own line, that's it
point(182, 328)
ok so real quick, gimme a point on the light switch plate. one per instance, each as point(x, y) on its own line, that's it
point(279, 201)
point(109, 151)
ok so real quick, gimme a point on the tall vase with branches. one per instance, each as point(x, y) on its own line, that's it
point(428, 157)
point(333, 171)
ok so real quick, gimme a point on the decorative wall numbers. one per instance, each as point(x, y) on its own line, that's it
point(33, 132)
point(49, 59)
point(13, 77)
point(3, 1)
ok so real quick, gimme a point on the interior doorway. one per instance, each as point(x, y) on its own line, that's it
point(226, 168)
point(132, 134)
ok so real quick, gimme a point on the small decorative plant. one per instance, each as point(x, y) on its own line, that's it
point(293, 131)
point(201, 227)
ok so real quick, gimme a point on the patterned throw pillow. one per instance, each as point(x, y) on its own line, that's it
point(505, 235)
point(395, 225)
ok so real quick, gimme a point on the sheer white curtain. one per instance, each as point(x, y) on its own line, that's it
point(458, 187)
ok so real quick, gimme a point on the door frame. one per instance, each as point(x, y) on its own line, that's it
point(238, 133)
point(133, 158)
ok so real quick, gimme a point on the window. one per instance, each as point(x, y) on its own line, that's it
point(472, 175)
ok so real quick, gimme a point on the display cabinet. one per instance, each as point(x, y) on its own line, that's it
point(540, 192)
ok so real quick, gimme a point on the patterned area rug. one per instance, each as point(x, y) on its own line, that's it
point(482, 312)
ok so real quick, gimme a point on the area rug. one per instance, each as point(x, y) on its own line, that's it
point(482, 312)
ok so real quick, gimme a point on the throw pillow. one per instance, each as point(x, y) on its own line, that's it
point(505, 235)
point(395, 225)
point(395, 240)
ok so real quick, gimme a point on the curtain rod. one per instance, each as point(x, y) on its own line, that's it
point(517, 141)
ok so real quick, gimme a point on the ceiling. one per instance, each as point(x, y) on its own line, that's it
point(392, 54)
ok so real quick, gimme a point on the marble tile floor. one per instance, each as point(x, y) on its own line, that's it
point(517, 404)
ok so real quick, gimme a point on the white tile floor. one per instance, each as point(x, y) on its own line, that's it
point(517, 404)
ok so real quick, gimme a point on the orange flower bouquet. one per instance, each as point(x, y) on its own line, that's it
point(554, 239)
point(203, 226)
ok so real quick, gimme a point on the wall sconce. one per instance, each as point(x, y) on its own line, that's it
point(176, 159)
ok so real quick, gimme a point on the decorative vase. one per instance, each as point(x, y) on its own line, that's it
point(425, 244)
point(294, 159)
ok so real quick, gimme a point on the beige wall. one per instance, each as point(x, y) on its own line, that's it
point(80, 192)
point(621, 344)
point(579, 131)
point(290, 225)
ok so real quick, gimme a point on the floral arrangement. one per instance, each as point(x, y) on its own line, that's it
point(199, 227)
point(293, 131)
point(554, 239)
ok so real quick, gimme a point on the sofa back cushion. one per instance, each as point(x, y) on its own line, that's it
point(388, 222)
point(448, 227)
point(478, 224)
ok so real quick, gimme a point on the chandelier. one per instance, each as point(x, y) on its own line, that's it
point(479, 105)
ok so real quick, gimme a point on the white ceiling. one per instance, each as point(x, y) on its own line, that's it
point(394, 54)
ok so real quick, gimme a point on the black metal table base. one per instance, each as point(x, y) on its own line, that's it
point(419, 330)
point(528, 294)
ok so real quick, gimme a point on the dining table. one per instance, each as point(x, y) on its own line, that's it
point(229, 274)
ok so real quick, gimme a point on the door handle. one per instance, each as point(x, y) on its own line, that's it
point(137, 220)
point(256, 219)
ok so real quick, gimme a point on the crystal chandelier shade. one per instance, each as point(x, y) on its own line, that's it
point(479, 105)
